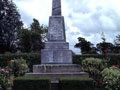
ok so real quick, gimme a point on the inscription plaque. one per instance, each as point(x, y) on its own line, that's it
point(56, 29)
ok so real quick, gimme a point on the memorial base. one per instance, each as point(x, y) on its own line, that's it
point(56, 56)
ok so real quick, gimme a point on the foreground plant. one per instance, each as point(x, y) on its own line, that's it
point(4, 78)
point(94, 66)
point(18, 67)
point(111, 78)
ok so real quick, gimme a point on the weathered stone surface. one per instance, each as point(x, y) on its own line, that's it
point(56, 7)
point(56, 30)
point(56, 68)
point(57, 45)
point(56, 56)
point(56, 76)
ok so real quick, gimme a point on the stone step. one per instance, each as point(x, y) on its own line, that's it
point(56, 76)
point(56, 68)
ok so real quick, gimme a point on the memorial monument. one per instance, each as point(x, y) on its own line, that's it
point(56, 49)
point(56, 58)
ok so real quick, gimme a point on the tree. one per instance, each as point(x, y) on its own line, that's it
point(117, 40)
point(25, 40)
point(10, 24)
point(32, 39)
point(105, 47)
point(117, 44)
point(38, 33)
point(84, 45)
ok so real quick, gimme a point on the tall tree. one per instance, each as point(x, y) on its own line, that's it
point(32, 39)
point(10, 24)
point(84, 45)
point(38, 32)
point(25, 40)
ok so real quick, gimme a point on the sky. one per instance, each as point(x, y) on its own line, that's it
point(83, 18)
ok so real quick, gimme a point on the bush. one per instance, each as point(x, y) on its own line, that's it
point(76, 84)
point(94, 66)
point(31, 83)
point(32, 58)
point(111, 78)
point(4, 77)
point(18, 67)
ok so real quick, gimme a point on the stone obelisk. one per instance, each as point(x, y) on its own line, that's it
point(56, 49)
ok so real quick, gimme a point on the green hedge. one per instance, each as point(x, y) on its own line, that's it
point(113, 59)
point(31, 83)
point(76, 84)
point(32, 58)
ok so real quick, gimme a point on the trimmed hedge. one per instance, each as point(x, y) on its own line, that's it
point(31, 83)
point(113, 59)
point(32, 58)
point(76, 84)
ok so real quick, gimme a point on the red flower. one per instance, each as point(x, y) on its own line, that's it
point(100, 81)
point(105, 51)
point(113, 65)
point(116, 66)
point(9, 62)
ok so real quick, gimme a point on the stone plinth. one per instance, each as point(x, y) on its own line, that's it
point(56, 56)
point(57, 71)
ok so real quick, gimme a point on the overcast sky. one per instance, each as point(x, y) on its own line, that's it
point(83, 18)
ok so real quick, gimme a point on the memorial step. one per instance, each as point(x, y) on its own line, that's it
point(56, 68)
point(56, 76)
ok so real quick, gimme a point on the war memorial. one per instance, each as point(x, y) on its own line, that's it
point(56, 58)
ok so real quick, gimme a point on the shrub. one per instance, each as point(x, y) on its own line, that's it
point(4, 77)
point(76, 84)
point(94, 66)
point(18, 67)
point(32, 58)
point(31, 83)
point(111, 78)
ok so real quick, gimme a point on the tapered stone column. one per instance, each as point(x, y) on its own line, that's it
point(56, 49)
point(56, 7)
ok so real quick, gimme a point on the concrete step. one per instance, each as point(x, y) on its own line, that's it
point(56, 68)
point(56, 76)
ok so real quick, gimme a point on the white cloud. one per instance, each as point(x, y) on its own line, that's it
point(85, 18)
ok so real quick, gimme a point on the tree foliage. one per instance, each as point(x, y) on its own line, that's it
point(85, 46)
point(10, 24)
point(117, 44)
point(25, 40)
point(32, 39)
point(103, 46)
